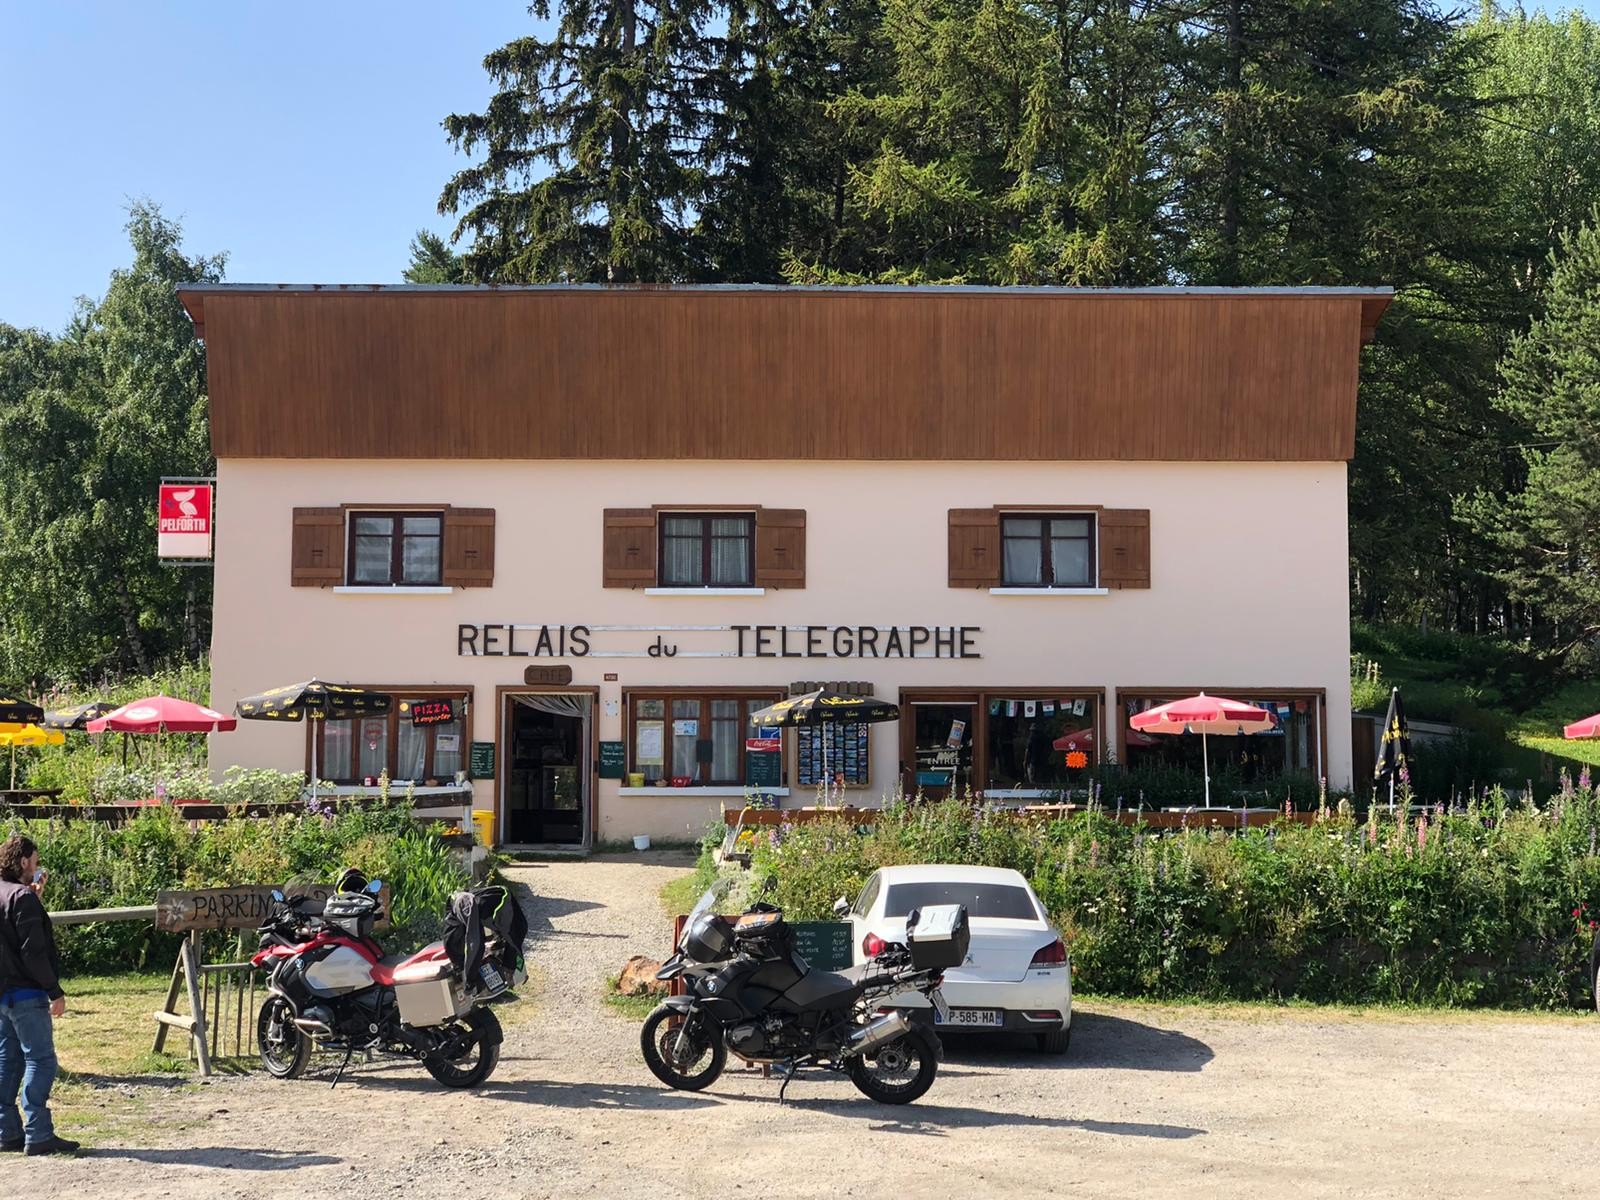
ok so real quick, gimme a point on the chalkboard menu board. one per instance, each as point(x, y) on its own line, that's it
point(847, 753)
point(613, 760)
point(481, 761)
point(825, 945)
point(763, 768)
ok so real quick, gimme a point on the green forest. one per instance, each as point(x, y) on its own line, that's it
point(1453, 156)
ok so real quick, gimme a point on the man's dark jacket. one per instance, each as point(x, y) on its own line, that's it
point(27, 945)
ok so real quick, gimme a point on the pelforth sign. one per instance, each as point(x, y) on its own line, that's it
point(183, 521)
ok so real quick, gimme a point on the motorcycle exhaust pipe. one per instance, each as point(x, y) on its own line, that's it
point(877, 1032)
point(315, 1022)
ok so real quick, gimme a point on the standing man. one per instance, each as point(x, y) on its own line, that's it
point(30, 996)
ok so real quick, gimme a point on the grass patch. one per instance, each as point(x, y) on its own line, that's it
point(679, 896)
point(634, 1008)
point(108, 1029)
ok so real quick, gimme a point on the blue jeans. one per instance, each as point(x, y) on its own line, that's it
point(28, 1063)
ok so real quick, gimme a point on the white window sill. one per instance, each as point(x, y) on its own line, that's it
point(1015, 591)
point(397, 791)
point(347, 590)
point(704, 591)
point(723, 792)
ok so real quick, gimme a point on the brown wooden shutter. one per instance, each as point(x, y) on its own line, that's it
point(316, 556)
point(628, 558)
point(974, 547)
point(468, 547)
point(1125, 547)
point(780, 547)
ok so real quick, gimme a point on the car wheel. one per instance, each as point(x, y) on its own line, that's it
point(1056, 1041)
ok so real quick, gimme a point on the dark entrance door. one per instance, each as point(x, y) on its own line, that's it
point(546, 773)
point(941, 747)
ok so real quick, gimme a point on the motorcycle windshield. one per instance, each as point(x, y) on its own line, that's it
point(711, 900)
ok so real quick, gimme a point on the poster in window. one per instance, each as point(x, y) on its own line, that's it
point(447, 743)
point(686, 728)
point(649, 738)
point(958, 729)
point(846, 753)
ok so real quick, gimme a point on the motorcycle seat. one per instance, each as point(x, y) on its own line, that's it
point(424, 966)
point(826, 989)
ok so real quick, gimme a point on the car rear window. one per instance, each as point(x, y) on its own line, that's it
point(981, 899)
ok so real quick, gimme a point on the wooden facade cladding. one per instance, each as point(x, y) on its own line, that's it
point(1122, 540)
point(317, 555)
point(783, 374)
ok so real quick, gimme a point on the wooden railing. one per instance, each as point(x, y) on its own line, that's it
point(1188, 818)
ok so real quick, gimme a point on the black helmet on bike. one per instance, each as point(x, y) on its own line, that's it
point(351, 879)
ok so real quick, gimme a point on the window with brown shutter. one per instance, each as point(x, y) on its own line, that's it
point(628, 557)
point(974, 547)
point(468, 547)
point(316, 556)
point(781, 547)
point(1125, 547)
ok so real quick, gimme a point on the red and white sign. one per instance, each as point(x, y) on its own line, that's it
point(763, 745)
point(183, 521)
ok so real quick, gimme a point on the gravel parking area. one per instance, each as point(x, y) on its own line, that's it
point(1149, 1102)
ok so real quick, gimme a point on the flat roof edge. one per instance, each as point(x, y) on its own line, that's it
point(786, 289)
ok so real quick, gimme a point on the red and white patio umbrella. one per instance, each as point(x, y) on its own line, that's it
point(1589, 727)
point(159, 715)
point(162, 714)
point(1204, 715)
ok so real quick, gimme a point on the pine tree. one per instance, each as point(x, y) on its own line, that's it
point(1549, 531)
point(589, 147)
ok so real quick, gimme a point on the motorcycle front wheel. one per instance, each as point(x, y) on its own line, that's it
point(285, 1048)
point(899, 1072)
point(471, 1054)
point(688, 1059)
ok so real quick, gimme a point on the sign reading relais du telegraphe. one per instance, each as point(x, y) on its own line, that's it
point(718, 641)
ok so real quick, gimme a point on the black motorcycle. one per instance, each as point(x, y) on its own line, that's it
point(749, 991)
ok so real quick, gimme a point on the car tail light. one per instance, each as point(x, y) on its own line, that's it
point(1053, 955)
point(872, 945)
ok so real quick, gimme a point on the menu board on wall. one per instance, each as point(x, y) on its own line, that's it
point(847, 753)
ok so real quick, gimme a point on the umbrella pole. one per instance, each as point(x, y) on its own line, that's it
point(1205, 765)
point(13, 766)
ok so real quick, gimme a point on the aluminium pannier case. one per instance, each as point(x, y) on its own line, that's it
point(938, 936)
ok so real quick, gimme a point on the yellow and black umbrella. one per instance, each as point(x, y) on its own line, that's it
point(316, 701)
point(14, 710)
point(825, 707)
point(77, 716)
point(28, 735)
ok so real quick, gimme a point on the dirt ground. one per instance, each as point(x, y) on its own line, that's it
point(1179, 1102)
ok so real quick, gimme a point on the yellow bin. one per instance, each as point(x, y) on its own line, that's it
point(483, 825)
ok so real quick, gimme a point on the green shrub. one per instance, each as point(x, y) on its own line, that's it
point(1492, 904)
point(93, 865)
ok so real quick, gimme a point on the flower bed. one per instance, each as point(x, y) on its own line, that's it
point(1490, 904)
point(96, 865)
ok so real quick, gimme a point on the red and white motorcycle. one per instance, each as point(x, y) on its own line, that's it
point(330, 984)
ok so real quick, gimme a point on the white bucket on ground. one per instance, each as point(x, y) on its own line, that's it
point(641, 841)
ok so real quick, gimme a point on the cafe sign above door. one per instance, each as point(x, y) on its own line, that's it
point(718, 641)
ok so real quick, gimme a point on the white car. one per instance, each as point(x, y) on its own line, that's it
point(1017, 977)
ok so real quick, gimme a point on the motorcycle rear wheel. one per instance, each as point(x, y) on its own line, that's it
point(697, 1067)
point(899, 1072)
point(475, 1058)
point(285, 1048)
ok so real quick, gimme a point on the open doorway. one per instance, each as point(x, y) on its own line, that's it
point(545, 744)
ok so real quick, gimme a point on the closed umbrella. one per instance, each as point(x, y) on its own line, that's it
point(316, 701)
point(824, 707)
point(28, 735)
point(1204, 715)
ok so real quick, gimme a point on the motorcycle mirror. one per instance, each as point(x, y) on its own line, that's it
point(770, 884)
point(374, 887)
point(277, 895)
point(841, 907)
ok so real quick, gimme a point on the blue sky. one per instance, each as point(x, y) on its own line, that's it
point(303, 139)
